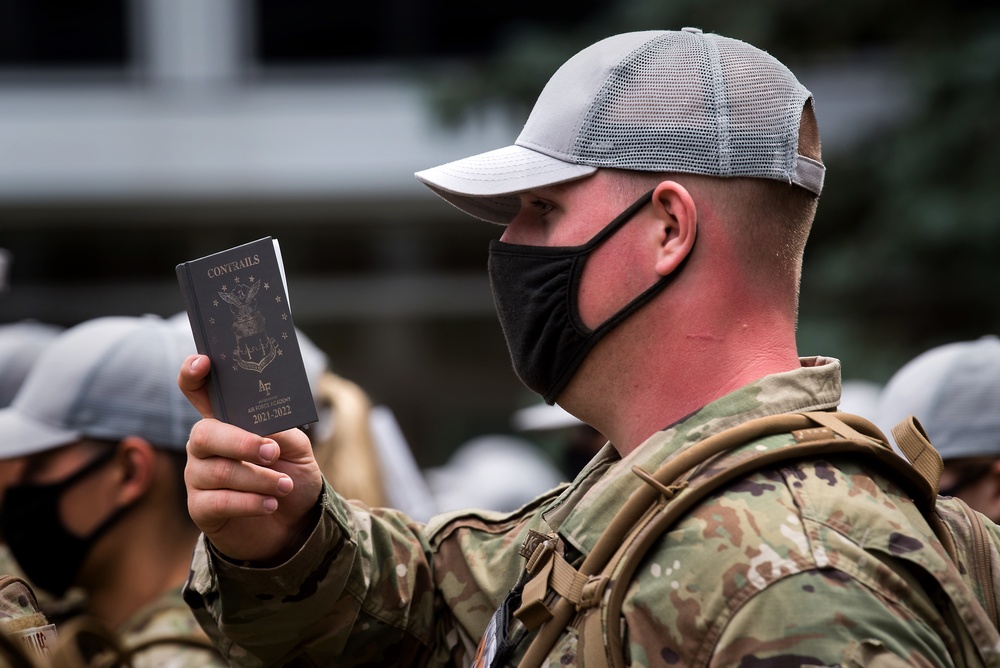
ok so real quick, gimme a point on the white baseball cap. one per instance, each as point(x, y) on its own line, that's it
point(954, 391)
point(106, 379)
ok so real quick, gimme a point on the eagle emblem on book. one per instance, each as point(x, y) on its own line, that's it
point(254, 348)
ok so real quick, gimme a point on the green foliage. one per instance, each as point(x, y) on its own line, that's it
point(905, 253)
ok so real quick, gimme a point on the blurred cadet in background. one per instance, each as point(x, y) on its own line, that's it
point(360, 447)
point(493, 472)
point(20, 345)
point(99, 500)
point(573, 441)
point(954, 391)
point(860, 397)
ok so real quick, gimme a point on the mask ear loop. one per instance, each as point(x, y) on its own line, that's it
point(91, 466)
point(616, 224)
point(601, 330)
point(84, 471)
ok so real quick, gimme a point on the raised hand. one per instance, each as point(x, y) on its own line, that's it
point(251, 495)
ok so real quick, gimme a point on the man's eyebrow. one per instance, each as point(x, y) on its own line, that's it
point(545, 192)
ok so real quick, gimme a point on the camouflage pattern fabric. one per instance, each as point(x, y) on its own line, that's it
point(816, 563)
point(56, 610)
point(168, 618)
point(17, 601)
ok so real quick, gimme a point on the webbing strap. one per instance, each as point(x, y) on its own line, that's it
point(912, 440)
point(551, 571)
point(839, 427)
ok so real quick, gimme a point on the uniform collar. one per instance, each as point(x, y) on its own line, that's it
point(584, 510)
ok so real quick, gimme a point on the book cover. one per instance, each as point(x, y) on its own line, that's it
point(237, 303)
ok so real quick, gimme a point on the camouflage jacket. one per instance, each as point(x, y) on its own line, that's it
point(808, 564)
point(167, 619)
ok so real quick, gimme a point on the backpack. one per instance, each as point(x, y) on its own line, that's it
point(29, 640)
point(593, 594)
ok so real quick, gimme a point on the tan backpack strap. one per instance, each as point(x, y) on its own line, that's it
point(641, 502)
point(654, 507)
point(912, 440)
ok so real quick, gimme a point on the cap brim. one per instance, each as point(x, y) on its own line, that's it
point(23, 435)
point(486, 185)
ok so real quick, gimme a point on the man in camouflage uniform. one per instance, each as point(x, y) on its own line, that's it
point(703, 154)
point(98, 500)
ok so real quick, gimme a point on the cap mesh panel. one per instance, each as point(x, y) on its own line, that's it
point(722, 108)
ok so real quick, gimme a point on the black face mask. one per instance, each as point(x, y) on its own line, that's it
point(50, 555)
point(535, 290)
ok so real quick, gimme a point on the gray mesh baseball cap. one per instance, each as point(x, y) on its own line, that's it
point(663, 101)
point(106, 378)
point(20, 345)
point(954, 391)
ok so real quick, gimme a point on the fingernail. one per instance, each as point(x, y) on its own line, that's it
point(270, 505)
point(268, 451)
point(284, 485)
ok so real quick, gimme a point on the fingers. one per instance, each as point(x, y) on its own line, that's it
point(229, 474)
point(212, 438)
point(191, 379)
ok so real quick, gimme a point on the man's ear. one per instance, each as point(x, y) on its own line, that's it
point(675, 209)
point(135, 462)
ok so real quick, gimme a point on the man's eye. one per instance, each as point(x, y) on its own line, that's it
point(541, 207)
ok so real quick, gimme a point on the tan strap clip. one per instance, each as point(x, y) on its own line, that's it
point(549, 570)
point(534, 611)
point(592, 592)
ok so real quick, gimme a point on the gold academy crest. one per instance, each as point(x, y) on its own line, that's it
point(254, 348)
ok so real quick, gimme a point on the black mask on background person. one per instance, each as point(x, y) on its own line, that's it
point(48, 553)
point(535, 289)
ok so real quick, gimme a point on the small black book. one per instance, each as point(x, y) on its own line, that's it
point(237, 303)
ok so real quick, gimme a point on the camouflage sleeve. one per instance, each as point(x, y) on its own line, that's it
point(979, 563)
point(359, 591)
point(821, 618)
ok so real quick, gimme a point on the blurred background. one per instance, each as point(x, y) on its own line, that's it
point(136, 134)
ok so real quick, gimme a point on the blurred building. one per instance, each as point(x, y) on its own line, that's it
point(136, 134)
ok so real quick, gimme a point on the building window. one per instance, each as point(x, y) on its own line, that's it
point(64, 34)
point(318, 32)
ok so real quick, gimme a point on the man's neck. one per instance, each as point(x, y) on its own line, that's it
point(630, 399)
point(143, 566)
